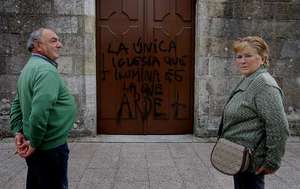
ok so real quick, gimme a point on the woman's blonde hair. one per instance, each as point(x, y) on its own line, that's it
point(255, 42)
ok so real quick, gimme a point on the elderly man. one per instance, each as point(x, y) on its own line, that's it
point(42, 114)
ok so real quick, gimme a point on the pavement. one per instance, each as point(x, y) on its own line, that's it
point(145, 162)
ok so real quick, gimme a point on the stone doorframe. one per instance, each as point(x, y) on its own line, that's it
point(201, 120)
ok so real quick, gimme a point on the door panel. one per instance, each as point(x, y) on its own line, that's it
point(145, 66)
point(168, 27)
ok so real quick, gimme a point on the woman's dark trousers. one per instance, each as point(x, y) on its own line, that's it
point(248, 180)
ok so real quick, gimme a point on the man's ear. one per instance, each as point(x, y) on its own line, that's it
point(37, 46)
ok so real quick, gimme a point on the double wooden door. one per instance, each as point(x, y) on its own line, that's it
point(145, 66)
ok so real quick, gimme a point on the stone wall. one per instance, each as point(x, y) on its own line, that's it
point(73, 20)
point(218, 23)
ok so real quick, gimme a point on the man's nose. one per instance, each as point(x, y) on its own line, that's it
point(59, 44)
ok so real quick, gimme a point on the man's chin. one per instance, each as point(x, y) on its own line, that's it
point(55, 57)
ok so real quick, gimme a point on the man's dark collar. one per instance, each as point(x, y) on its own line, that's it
point(45, 58)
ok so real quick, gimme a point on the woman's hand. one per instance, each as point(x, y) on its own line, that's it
point(264, 171)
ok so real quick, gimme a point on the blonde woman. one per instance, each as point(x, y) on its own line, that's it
point(254, 116)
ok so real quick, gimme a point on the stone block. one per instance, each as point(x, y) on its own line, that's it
point(79, 64)
point(202, 105)
point(292, 105)
point(25, 7)
point(14, 64)
point(294, 13)
point(89, 24)
point(65, 24)
point(287, 67)
point(215, 9)
point(10, 83)
point(216, 85)
point(10, 95)
point(90, 117)
point(12, 44)
point(250, 27)
point(219, 47)
point(247, 9)
point(24, 23)
point(286, 29)
point(216, 27)
point(4, 24)
point(219, 66)
point(232, 29)
point(275, 45)
point(34, 7)
point(200, 86)
point(4, 127)
point(202, 26)
point(89, 45)
point(2, 65)
point(267, 12)
point(69, 7)
point(216, 105)
point(228, 9)
point(90, 87)
point(72, 44)
point(8, 6)
point(281, 11)
point(214, 122)
point(202, 8)
point(201, 124)
point(290, 49)
point(202, 46)
point(75, 84)
point(89, 7)
point(65, 65)
point(201, 66)
point(8, 44)
point(291, 86)
point(90, 65)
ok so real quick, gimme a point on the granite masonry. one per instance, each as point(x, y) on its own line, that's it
point(218, 23)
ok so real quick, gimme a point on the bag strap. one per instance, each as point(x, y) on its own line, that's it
point(220, 132)
point(221, 123)
point(221, 126)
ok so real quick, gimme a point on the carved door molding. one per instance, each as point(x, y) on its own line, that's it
point(145, 66)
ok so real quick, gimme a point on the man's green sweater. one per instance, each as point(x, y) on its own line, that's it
point(43, 107)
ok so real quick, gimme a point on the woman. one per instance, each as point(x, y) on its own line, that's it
point(254, 116)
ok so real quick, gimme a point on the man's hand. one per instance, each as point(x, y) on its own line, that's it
point(264, 171)
point(19, 139)
point(21, 143)
point(28, 152)
point(23, 146)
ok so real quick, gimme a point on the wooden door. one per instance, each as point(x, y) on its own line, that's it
point(145, 61)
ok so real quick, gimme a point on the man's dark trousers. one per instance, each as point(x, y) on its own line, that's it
point(47, 169)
